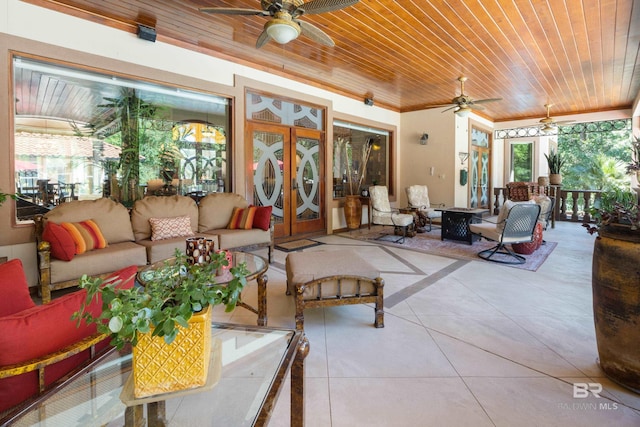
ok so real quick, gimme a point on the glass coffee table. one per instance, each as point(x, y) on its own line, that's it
point(254, 362)
point(257, 267)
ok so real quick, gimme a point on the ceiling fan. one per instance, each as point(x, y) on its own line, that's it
point(463, 104)
point(284, 24)
point(549, 124)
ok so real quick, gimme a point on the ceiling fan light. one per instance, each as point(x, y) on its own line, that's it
point(463, 112)
point(282, 31)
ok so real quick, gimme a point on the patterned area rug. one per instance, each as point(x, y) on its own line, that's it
point(430, 243)
point(297, 245)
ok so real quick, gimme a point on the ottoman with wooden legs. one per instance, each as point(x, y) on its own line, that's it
point(333, 278)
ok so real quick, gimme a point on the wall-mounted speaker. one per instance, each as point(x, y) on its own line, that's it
point(368, 101)
point(146, 33)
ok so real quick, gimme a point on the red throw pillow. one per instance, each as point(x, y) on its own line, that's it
point(44, 329)
point(242, 218)
point(14, 289)
point(62, 245)
point(262, 217)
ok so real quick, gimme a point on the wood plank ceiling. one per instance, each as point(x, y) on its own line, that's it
point(579, 55)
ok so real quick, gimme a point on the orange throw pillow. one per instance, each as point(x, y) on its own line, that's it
point(242, 218)
point(86, 235)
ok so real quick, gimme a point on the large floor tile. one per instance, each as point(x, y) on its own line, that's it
point(404, 402)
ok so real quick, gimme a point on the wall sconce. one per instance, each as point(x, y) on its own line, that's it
point(424, 138)
point(463, 157)
point(368, 101)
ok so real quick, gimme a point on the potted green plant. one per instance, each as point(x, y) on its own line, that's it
point(633, 167)
point(615, 284)
point(555, 162)
point(176, 295)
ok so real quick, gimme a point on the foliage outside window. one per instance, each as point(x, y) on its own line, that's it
point(595, 160)
point(84, 135)
point(360, 158)
point(521, 162)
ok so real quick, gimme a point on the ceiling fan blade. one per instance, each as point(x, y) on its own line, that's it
point(321, 6)
point(234, 11)
point(315, 33)
point(263, 39)
point(473, 106)
point(482, 101)
point(564, 122)
point(450, 108)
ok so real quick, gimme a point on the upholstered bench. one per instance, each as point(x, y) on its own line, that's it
point(333, 278)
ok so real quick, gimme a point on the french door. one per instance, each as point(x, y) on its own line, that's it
point(480, 168)
point(287, 172)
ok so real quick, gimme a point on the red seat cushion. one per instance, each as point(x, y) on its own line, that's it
point(14, 289)
point(44, 329)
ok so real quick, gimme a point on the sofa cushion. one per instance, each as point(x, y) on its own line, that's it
point(14, 289)
point(216, 210)
point(229, 239)
point(112, 217)
point(62, 245)
point(86, 235)
point(161, 207)
point(41, 330)
point(113, 257)
point(262, 217)
point(242, 218)
point(167, 228)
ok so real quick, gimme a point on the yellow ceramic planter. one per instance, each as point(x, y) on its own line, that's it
point(161, 368)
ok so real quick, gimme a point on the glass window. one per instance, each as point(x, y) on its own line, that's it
point(360, 158)
point(521, 161)
point(81, 134)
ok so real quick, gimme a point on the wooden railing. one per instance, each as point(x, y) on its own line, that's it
point(570, 205)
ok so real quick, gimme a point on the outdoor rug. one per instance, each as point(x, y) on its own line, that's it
point(297, 245)
point(430, 243)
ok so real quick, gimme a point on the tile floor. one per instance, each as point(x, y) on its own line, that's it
point(464, 344)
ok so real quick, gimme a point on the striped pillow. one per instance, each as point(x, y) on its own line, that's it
point(86, 235)
point(242, 218)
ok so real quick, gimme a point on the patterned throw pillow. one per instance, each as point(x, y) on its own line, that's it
point(62, 245)
point(86, 235)
point(167, 228)
point(262, 218)
point(242, 218)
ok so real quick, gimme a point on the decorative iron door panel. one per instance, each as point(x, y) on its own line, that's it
point(480, 168)
point(271, 179)
point(308, 186)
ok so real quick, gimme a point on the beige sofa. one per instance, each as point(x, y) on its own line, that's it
point(129, 234)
